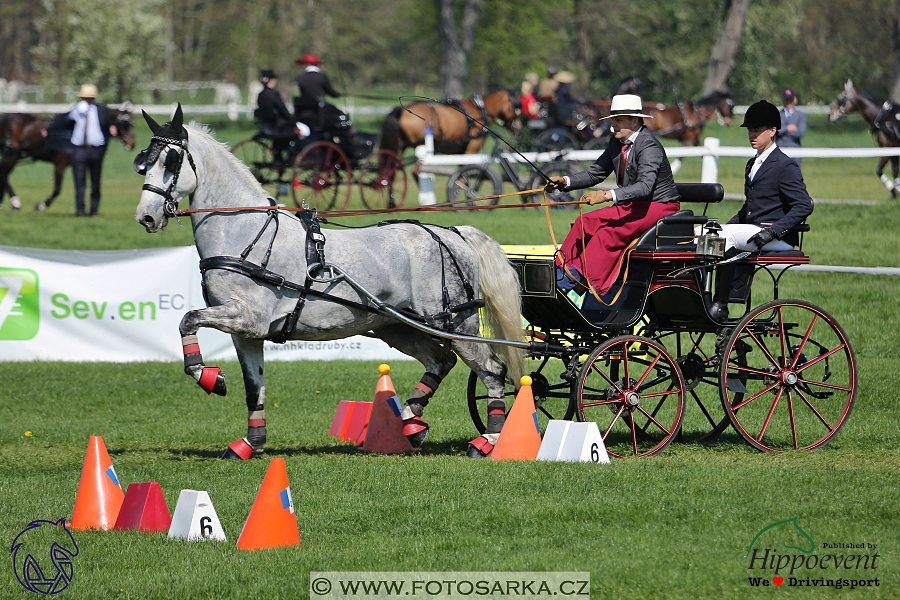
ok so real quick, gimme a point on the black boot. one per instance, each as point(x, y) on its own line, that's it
point(718, 310)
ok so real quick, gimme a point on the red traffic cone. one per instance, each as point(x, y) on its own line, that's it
point(144, 509)
point(384, 434)
point(100, 494)
point(520, 438)
point(272, 522)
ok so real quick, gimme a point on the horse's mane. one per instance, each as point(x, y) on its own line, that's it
point(208, 135)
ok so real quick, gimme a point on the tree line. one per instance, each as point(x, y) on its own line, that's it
point(678, 48)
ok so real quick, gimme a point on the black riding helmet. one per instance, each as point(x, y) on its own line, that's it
point(762, 114)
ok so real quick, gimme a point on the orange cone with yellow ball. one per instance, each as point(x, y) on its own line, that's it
point(520, 438)
point(384, 434)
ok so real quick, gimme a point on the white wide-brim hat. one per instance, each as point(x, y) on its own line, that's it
point(88, 90)
point(627, 105)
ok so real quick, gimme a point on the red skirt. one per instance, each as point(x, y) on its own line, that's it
point(598, 239)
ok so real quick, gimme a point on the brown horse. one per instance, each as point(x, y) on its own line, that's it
point(884, 119)
point(457, 129)
point(22, 137)
point(685, 120)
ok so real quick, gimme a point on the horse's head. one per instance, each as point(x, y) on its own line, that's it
point(125, 125)
point(723, 105)
point(30, 562)
point(501, 106)
point(165, 180)
point(844, 104)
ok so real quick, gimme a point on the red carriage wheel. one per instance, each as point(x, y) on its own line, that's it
point(382, 181)
point(790, 379)
point(322, 177)
point(632, 387)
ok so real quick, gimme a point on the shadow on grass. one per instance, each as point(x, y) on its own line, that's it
point(450, 447)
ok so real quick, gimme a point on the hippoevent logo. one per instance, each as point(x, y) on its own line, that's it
point(19, 314)
point(783, 553)
point(42, 556)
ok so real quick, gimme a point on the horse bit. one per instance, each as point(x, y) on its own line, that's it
point(172, 164)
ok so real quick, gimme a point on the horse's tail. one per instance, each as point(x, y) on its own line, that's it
point(502, 296)
point(390, 131)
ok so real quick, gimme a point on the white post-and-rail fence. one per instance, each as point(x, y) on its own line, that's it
point(709, 152)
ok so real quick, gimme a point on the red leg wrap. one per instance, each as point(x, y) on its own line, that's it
point(242, 448)
point(414, 425)
point(208, 379)
point(482, 445)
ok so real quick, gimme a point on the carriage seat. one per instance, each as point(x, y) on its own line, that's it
point(676, 232)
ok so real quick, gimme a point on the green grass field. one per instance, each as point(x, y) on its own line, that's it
point(676, 525)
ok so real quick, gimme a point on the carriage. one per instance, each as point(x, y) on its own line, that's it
point(322, 168)
point(784, 374)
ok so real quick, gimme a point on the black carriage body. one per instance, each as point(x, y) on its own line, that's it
point(784, 375)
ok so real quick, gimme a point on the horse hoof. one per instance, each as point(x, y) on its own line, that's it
point(415, 430)
point(239, 450)
point(480, 447)
point(40, 206)
point(15, 202)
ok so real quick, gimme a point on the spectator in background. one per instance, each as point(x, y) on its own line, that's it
point(526, 97)
point(547, 88)
point(793, 123)
point(90, 137)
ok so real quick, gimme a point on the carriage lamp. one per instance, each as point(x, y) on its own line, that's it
point(709, 242)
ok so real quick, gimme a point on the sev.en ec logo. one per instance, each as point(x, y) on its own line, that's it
point(19, 311)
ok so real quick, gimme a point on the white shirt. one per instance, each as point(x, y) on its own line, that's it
point(86, 111)
point(760, 159)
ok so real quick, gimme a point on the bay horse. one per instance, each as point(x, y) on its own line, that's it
point(22, 137)
point(883, 117)
point(685, 120)
point(457, 129)
point(253, 256)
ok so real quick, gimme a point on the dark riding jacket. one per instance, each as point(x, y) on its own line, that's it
point(776, 197)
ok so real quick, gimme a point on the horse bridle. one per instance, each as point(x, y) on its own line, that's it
point(172, 164)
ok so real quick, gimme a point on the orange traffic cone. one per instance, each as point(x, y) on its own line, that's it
point(520, 438)
point(385, 431)
point(272, 522)
point(100, 494)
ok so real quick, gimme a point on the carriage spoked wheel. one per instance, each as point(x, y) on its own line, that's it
point(698, 359)
point(797, 372)
point(551, 400)
point(383, 181)
point(260, 159)
point(322, 177)
point(473, 183)
point(633, 389)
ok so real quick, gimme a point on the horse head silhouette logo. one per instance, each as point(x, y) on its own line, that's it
point(787, 530)
point(39, 538)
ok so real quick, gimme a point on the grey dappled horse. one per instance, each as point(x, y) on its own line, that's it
point(423, 270)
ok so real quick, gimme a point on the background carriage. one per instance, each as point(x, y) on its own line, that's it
point(322, 168)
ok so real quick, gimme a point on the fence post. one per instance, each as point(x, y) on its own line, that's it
point(426, 180)
point(709, 172)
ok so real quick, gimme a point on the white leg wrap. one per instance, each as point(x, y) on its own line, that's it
point(15, 202)
point(887, 182)
point(676, 164)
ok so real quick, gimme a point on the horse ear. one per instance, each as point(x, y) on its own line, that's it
point(178, 119)
point(154, 126)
